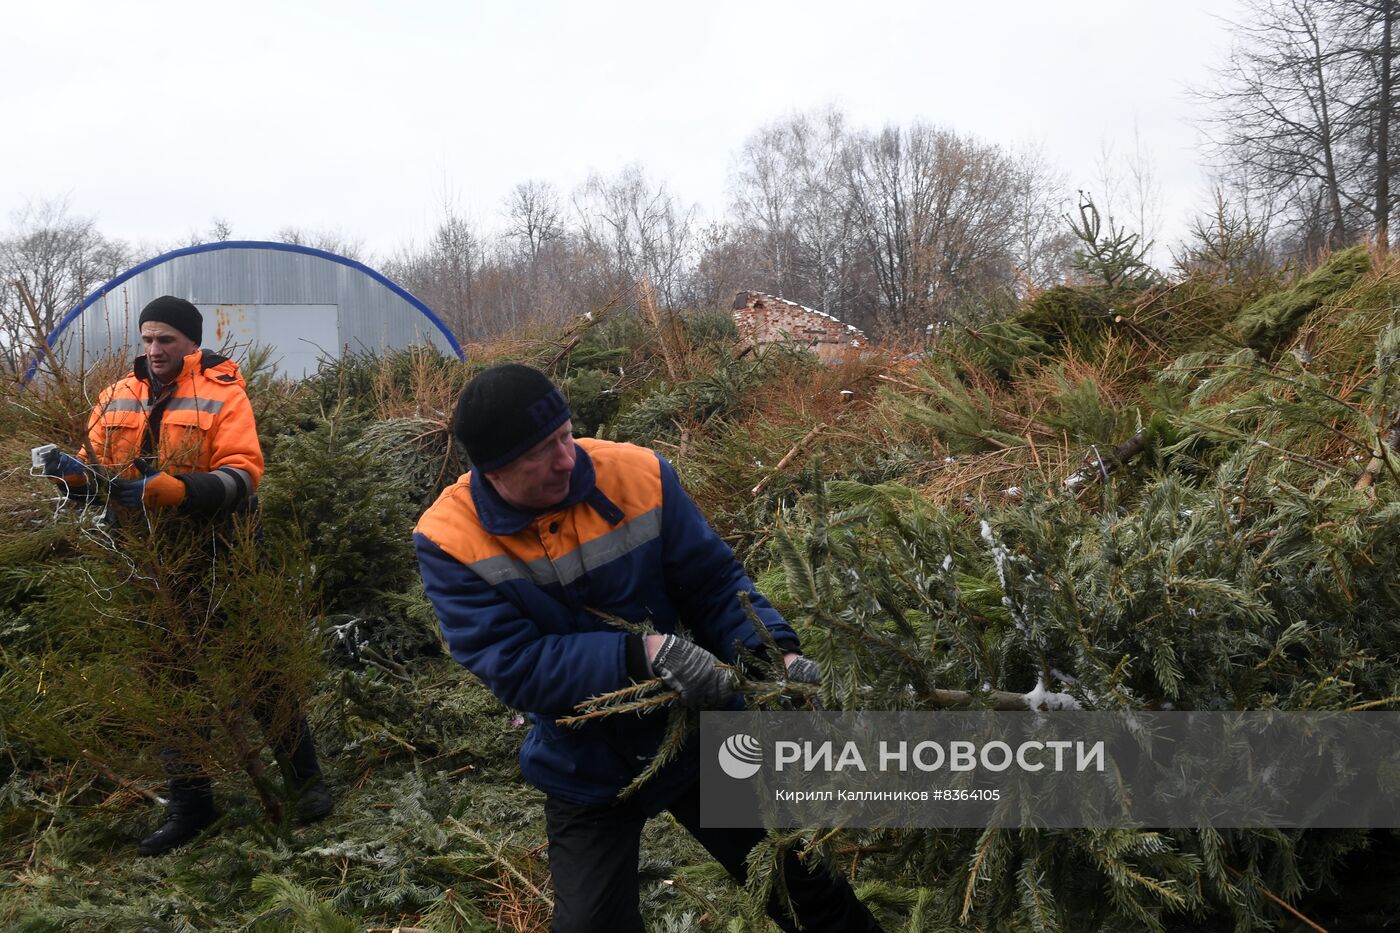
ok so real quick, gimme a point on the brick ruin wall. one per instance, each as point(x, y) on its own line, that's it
point(763, 319)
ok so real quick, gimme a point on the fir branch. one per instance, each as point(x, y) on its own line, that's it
point(1037, 903)
point(678, 727)
point(1297, 915)
point(309, 910)
point(699, 896)
point(788, 457)
point(974, 872)
point(1386, 701)
point(636, 628)
point(496, 852)
point(1387, 445)
point(621, 701)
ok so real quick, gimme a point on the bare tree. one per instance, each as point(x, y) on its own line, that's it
point(896, 229)
point(791, 195)
point(764, 196)
point(1305, 110)
point(722, 268)
point(218, 231)
point(58, 258)
point(638, 229)
point(332, 241)
point(444, 274)
point(1368, 30)
point(533, 216)
point(511, 291)
point(823, 213)
point(1043, 246)
point(938, 213)
point(1130, 191)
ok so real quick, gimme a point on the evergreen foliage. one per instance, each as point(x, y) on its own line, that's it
point(1268, 323)
point(721, 392)
point(962, 416)
point(1113, 258)
point(1063, 313)
point(350, 502)
point(593, 399)
point(162, 634)
point(999, 346)
point(1134, 516)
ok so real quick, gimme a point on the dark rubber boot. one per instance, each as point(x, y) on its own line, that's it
point(314, 801)
point(189, 813)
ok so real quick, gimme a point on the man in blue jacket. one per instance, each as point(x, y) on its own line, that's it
point(525, 558)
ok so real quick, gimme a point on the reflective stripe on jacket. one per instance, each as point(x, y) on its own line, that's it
point(200, 428)
point(523, 602)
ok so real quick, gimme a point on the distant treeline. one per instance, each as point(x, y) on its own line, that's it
point(892, 229)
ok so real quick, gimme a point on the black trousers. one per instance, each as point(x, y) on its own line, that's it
point(594, 854)
point(292, 745)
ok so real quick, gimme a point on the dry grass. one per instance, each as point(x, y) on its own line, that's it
point(998, 474)
point(820, 393)
point(517, 880)
point(516, 902)
point(430, 391)
point(54, 407)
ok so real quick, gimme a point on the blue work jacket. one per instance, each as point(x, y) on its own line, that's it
point(524, 598)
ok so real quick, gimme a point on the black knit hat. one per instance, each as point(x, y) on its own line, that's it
point(504, 411)
point(178, 313)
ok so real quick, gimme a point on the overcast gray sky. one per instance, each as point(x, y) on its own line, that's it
point(155, 117)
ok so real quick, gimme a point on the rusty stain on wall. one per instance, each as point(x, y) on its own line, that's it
point(228, 318)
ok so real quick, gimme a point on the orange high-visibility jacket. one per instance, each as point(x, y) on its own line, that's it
point(200, 429)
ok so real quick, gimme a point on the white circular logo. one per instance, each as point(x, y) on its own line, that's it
point(740, 756)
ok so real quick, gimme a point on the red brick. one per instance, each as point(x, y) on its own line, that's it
point(764, 319)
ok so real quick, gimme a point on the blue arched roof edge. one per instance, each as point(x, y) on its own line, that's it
point(379, 277)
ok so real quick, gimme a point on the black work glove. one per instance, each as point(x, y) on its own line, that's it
point(66, 470)
point(692, 670)
point(61, 466)
point(803, 670)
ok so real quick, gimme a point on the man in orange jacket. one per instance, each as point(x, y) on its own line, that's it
point(178, 433)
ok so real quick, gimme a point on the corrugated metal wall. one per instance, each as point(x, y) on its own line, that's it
point(371, 315)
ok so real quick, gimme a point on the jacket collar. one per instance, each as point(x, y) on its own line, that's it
point(195, 362)
point(499, 517)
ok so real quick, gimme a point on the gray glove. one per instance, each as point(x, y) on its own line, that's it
point(803, 670)
point(692, 670)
